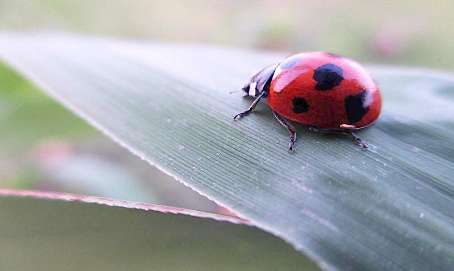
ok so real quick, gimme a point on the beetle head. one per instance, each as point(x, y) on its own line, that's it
point(260, 82)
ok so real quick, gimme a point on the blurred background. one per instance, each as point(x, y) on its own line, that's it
point(43, 146)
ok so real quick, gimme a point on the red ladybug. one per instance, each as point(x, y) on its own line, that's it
point(325, 92)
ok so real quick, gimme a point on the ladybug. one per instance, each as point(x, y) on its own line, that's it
point(323, 91)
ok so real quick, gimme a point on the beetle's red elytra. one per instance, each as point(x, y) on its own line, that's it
point(323, 91)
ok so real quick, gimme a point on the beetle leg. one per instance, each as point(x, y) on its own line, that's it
point(290, 128)
point(348, 129)
point(251, 108)
point(358, 141)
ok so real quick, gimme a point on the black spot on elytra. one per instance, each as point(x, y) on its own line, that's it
point(355, 107)
point(290, 62)
point(328, 76)
point(300, 105)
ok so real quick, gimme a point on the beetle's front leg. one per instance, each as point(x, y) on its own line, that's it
point(251, 108)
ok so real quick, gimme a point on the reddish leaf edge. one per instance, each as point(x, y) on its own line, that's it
point(149, 207)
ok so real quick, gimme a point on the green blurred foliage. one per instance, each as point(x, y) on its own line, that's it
point(27, 116)
point(27, 119)
point(402, 31)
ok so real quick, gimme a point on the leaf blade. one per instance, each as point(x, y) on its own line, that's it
point(330, 200)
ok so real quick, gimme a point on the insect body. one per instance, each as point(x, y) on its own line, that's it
point(325, 92)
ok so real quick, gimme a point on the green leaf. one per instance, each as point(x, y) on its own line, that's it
point(84, 233)
point(388, 208)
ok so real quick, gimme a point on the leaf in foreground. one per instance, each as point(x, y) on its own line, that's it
point(389, 208)
point(42, 232)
